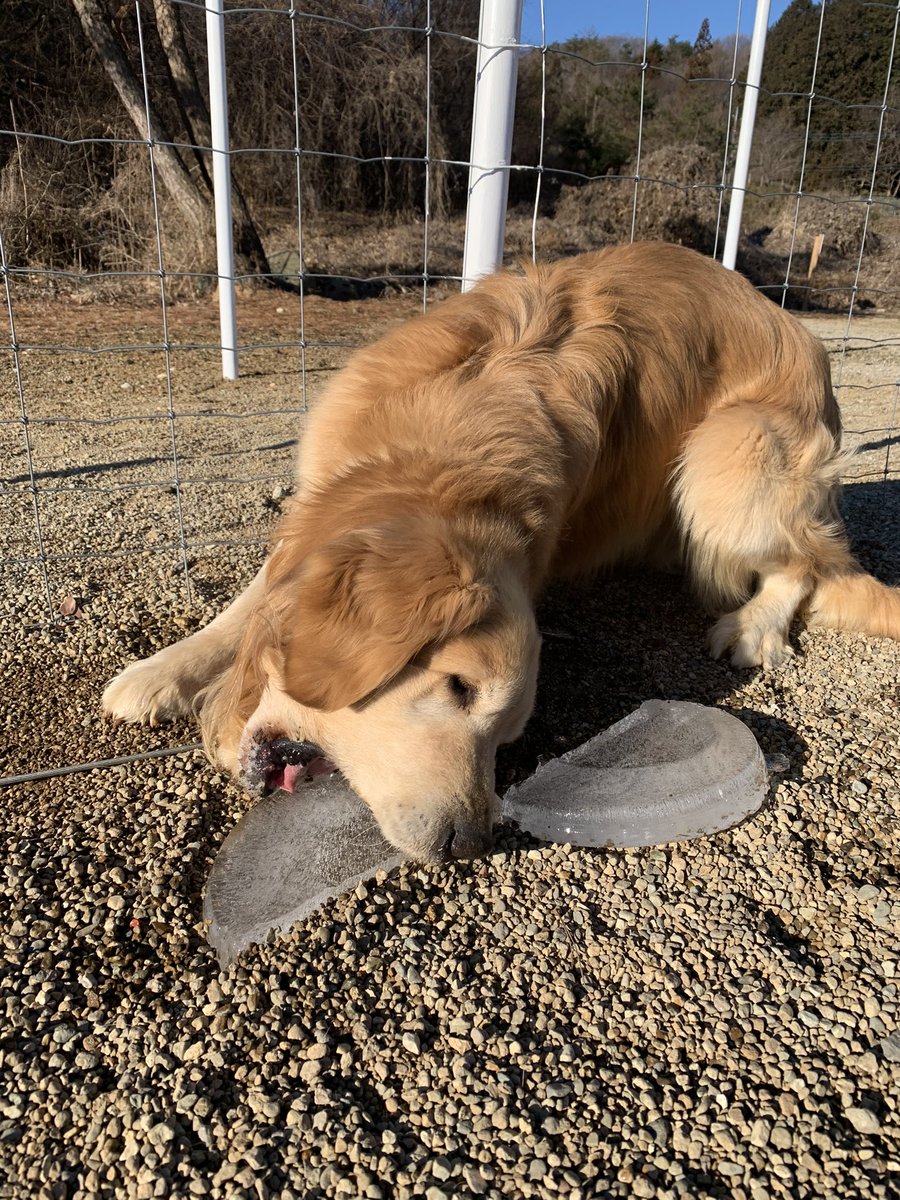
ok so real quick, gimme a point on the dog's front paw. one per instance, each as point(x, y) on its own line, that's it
point(147, 692)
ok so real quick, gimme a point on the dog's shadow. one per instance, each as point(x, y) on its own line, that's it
point(872, 515)
point(612, 642)
point(610, 645)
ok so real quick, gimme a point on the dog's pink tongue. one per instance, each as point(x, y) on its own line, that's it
point(294, 774)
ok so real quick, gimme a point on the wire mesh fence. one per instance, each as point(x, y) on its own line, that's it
point(124, 449)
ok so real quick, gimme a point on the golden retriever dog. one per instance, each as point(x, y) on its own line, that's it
point(634, 404)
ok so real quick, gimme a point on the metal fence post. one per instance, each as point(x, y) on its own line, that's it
point(499, 32)
point(218, 114)
point(745, 138)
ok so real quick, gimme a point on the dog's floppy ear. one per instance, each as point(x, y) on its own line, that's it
point(362, 606)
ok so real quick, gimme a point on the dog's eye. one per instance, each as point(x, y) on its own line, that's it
point(463, 692)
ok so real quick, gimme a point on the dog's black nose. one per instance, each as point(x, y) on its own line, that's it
point(468, 841)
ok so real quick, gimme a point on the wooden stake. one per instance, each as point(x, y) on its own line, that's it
point(818, 243)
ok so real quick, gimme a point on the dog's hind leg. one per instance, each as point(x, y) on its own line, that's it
point(167, 684)
point(754, 494)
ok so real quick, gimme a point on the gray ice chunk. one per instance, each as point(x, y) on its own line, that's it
point(672, 770)
point(289, 854)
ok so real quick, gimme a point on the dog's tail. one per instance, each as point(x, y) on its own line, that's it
point(851, 599)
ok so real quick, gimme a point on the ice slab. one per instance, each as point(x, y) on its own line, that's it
point(289, 854)
point(670, 771)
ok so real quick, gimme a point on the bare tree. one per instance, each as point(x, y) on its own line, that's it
point(192, 193)
point(185, 86)
point(195, 116)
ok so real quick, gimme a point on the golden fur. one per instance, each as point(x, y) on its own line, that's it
point(639, 403)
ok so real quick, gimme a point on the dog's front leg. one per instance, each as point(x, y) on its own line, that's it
point(166, 685)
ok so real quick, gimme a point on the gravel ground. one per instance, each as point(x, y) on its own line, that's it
point(714, 1019)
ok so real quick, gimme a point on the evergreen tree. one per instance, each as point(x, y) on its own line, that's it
point(848, 86)
point(701, 53)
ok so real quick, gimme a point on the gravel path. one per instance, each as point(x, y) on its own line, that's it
point(715, 1019)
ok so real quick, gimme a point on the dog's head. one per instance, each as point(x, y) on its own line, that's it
point(405, 653)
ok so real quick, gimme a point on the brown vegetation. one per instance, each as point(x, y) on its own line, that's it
point(345, 81)
point(676, 200)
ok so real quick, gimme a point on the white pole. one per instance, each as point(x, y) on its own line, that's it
point(745, 138)
point(218, 113)
point(499, 32)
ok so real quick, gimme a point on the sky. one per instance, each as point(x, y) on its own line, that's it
point(567, 18)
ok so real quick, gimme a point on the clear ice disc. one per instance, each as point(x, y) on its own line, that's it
point(669, 771)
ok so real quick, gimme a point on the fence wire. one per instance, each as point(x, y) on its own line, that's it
point(138, 460)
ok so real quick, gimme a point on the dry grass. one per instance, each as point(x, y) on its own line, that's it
point(676, 200)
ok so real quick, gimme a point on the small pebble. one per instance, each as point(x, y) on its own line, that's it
point(862, 1120)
